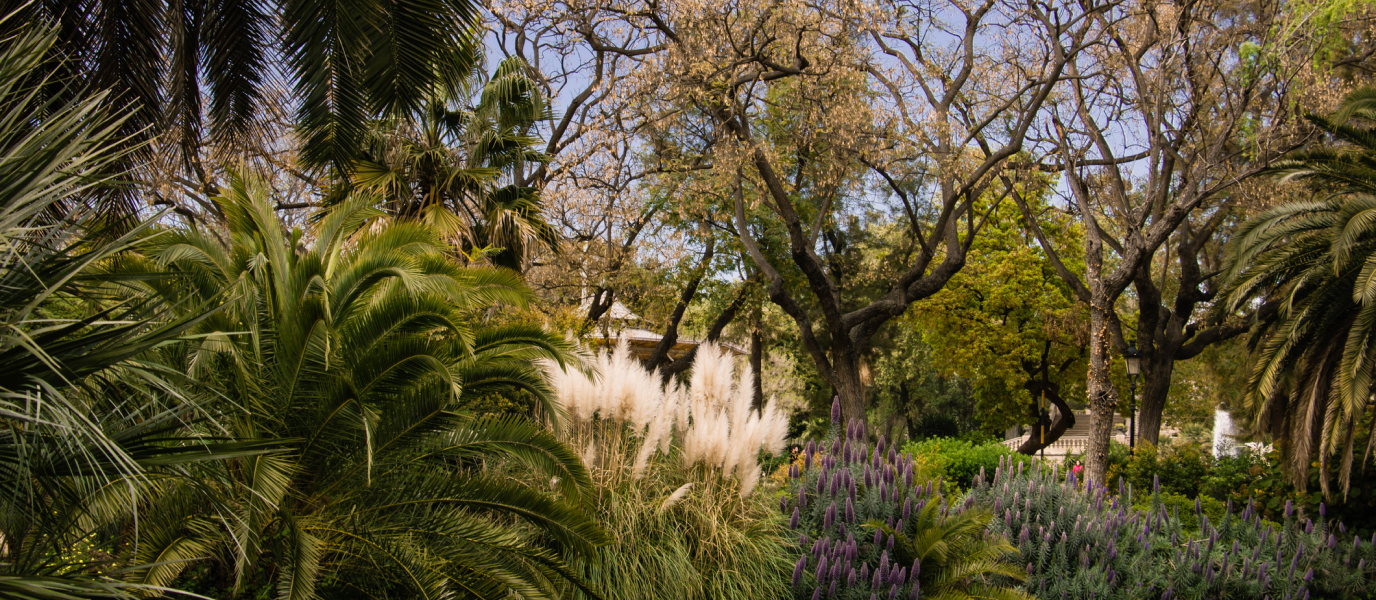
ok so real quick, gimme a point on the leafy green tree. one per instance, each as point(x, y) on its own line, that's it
point(1313, 372)
point(359, 349)
point(1009, 325)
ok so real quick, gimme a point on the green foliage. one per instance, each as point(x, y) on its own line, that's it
point(1190, 471)
point(1007, 318)
point(866, 527)
point(909, 386)
point(80, 411)
point(358, 352)
point(1088, 544)
point(453, 166)
point(1181, 468)
point(1313, 261)
point(171, 65)
point(681, 532)
point(959, 461)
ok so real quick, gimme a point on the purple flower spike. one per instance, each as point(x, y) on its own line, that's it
point(831, 592)
point(864, 572)
point(798, 570)
point(817, 593)
point(1323, 510)
point(917, 568)
point(1309, 575)
point(893, 593)
point(793, 522)
point(878, 536)
point(1289, 508)
point(891, 541)
point(836, 410)
point(821, 569)
point(850, 579)
point(908, 507)
point(878, 579)
point(850, 510)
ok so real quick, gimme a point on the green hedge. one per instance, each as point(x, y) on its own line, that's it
point(958, 460)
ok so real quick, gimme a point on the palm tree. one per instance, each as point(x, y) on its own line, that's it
point(345, 62)
point(79, 411)
point(457, 167)
point(1317, 261)
point(357, 347)
point(959, 559)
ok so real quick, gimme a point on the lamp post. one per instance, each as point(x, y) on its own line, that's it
point(1133, 358)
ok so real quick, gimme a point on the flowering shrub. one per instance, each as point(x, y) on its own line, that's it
point(1080, 543)
point(1190, 470)
point(867, 529)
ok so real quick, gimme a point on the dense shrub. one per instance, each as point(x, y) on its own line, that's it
point(1191, 470)
point(865, 525)
point(958, 461)
point(1082, 543)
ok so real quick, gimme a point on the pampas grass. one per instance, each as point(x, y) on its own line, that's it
point(674, 469)
point(713, 417)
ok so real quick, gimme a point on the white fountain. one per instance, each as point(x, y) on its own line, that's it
point(1223, 442)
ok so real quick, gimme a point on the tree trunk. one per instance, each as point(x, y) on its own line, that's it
point(1156, 387)
point(1063, 423)
point(848, 385)
point(1103, 398)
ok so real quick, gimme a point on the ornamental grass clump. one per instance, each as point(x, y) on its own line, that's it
point(1079, 541)
point(866, 529)
point(673, 468)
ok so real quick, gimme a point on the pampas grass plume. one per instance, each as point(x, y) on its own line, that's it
point(676, 496)
point(714, 418)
